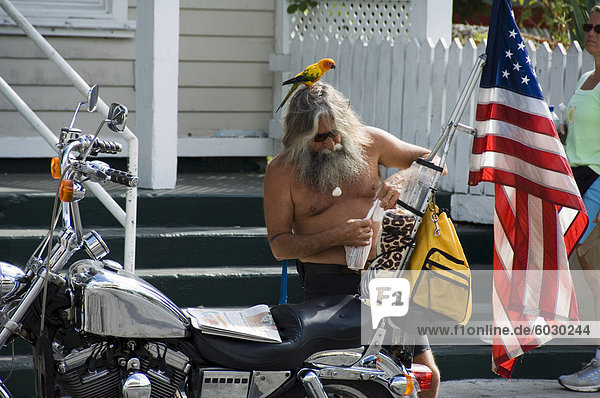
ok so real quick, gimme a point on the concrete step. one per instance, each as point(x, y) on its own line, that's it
point(546, 362)
point(224, 286)
point(198, 200)
point(160, 247)
point(34, 210)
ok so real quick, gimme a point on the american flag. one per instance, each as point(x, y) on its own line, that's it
point(539, 215)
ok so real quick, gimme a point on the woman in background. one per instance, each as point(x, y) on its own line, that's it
point(583, 153)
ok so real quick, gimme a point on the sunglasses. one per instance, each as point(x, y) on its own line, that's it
point(588, 27)
point(324, 136)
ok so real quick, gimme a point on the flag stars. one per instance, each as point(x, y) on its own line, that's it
point(521, 46)
point(525, 80)
point(528, 60)
point(505, 74)
point(516, 66)
point(512, 33)
point(508, 54)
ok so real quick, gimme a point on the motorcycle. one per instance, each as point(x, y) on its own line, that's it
point(99, 331)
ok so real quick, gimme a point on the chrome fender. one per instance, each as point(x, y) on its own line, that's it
point(116, 303)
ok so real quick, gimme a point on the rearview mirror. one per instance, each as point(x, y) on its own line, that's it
point(117, 116)
point(92, 99)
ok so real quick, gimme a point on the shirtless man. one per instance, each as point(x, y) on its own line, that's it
point(320, 187)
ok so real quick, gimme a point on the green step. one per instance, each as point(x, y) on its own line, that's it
point(224, 286)
point(475, 362)
point(154, 209)
point(35, 210)
point(162, 247)
point(158, 247)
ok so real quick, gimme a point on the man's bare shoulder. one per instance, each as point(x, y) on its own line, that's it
point(391, 151)
point(278, 173)
point(278, 167)
point(380, 136)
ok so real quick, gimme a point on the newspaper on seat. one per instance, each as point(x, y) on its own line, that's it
point(254, 323)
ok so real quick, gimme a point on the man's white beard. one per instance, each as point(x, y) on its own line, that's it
point(327, 169)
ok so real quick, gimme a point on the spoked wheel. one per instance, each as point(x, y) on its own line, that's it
point(344, 389)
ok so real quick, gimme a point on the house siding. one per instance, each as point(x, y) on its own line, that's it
point(224, 77)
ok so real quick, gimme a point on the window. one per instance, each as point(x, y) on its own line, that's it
point(96, 18)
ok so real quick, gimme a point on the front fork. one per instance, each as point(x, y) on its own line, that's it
point(64, 249)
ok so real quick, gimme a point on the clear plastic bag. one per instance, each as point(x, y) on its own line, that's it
point(356, 256)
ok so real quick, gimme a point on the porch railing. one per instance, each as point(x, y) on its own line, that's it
point(126, 218)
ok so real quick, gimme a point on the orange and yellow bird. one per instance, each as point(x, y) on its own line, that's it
point(308, 76)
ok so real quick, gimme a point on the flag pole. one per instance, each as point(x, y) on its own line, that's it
point(461, 104)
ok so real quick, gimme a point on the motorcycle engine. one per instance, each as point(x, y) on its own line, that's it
point(102, 367)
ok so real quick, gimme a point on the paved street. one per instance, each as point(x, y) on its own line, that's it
point(531, 388)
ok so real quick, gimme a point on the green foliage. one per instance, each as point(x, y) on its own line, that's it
point(300, 6)
point(581, 13)
point(562, 18)
point(555, 16)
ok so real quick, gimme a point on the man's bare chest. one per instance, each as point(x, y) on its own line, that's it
point(348, 201)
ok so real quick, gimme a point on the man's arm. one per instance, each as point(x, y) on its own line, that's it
point(395, 153)
point(279, 219)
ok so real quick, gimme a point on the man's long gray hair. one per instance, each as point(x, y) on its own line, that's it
point(307, 107)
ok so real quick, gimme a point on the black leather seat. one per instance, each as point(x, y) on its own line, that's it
point(316, 325)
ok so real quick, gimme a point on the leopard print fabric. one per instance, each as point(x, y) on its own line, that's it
point(394, 239)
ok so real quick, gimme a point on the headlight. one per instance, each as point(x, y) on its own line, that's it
point(10, 278)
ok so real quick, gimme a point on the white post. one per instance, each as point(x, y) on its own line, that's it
point(431, 18)
point(156, 85)
point(279, 62)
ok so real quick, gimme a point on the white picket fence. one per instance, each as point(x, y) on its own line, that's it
point(410, 88)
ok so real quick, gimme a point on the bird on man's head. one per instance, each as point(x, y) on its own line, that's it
point(308, 76)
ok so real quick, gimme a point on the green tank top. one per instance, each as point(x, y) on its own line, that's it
point(583, 122)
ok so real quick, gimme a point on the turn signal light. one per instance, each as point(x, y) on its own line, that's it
point(55, 168)
point(423, 374)
point(65, 191)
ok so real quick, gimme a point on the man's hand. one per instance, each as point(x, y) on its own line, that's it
point(389, 190)
point(355, 232)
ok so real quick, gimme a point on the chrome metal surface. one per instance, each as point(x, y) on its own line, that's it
point(399, 385)
point(60, 254)
point(335, 358)
point(4, 393)
point(370, 361)
point(92, 98)
point(175, 359)
point(94, 245)
point(312, 384)
point(224, 383)
point(133, 364)
point(75, 359)
point(389, 366)
point(354, 373)
point(137, 385)
point(123, 305)
point(117, 115)
point(10, 279)
point(265, 382)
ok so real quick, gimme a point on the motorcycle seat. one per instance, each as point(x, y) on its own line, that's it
point(322, 324)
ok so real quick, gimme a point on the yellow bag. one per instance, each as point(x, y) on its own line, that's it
point(438, 271)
